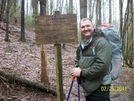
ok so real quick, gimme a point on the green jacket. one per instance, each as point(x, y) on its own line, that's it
point(94, 66)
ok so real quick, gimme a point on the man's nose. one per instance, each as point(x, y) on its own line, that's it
point(85, 28)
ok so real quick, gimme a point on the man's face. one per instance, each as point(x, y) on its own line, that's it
point(87, 29)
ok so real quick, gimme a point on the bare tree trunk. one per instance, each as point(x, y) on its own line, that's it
point(7, 21)
point(121, 23)
point(83, 13)
point(128, 36)
point(71, 6)
point(103, 13)
point(93, 9)
point(27, 6)
point(124, 36)
point(44, 77)
point(22, 38)
point(35, 7)
point(42, 7)
point(131, 52)
point(83, 9)
point(98, 12)
point(110, 12)
point(15, 7)
point(2, 9)
point(51, 7)
point(132, 55)
point(90, 8)
point(33, 2)
point(121, 16)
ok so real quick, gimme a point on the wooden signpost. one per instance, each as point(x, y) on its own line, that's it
point(57, 29)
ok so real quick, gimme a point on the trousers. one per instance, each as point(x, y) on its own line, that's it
point(101, 94)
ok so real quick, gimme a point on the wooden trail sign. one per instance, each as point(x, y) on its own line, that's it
point(56, 29)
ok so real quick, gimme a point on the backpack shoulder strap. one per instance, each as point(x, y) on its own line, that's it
point(93, 45)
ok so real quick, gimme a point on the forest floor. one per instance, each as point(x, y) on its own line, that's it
point(24, 60)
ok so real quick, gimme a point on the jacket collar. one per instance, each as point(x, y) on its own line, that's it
point(85, 42)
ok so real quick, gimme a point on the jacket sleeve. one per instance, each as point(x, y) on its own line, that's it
point(77, 57)
point(102, 60)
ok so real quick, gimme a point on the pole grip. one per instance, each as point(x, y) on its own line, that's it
point(73, 78)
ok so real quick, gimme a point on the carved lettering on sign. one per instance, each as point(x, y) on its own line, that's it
point(56, 29)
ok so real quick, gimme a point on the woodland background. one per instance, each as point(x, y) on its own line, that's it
point(20, 56)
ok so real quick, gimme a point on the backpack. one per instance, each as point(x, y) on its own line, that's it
point(110, 33)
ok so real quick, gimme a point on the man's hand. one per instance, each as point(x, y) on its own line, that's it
point(75, 72)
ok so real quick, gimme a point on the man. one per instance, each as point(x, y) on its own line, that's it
point(92, 61)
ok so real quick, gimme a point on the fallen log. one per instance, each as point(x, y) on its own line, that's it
point(37, 86)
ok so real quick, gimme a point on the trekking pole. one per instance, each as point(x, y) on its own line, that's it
point(70, 88)
point(78, 91)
